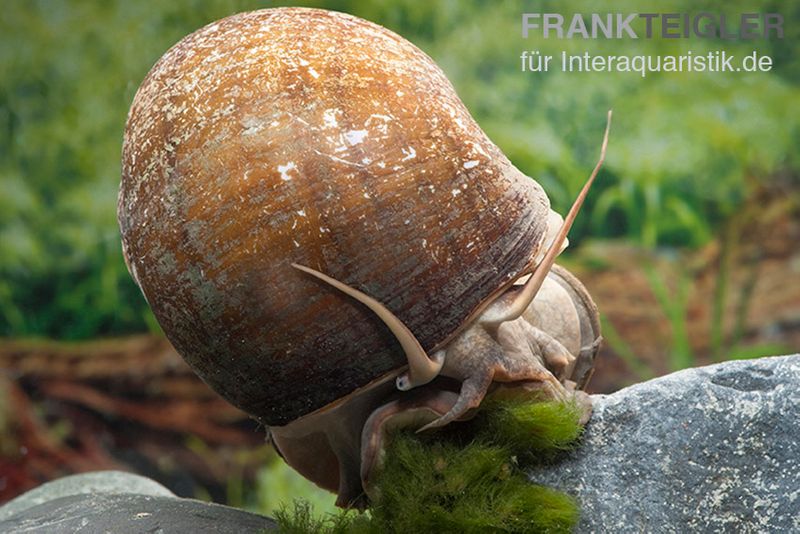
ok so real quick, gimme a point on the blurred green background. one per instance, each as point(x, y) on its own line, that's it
point(683, 145)
point(688, 153)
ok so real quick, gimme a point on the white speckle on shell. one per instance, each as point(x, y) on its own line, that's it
point(251, 126)
point(286, 169)
point(471, 164)
point(355, 137)
point(409, 153)
point(329, 118)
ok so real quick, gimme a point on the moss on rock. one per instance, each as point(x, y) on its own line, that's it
point(466, 477)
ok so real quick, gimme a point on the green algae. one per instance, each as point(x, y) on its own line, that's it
point(468, 477)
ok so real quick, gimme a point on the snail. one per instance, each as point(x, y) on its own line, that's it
point(333, 244)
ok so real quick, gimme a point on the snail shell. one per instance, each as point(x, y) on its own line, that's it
point(304, 136)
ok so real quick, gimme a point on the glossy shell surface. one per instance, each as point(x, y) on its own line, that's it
point(300, 135)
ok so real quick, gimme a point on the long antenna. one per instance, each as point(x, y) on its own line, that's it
point(534, 283)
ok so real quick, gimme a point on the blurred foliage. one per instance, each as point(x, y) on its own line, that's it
point(682, 144)
point(278, 484)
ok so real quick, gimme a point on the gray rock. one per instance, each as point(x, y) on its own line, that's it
point(113, 501)
point(122, 513)
point(712, 449)
point(85, 483)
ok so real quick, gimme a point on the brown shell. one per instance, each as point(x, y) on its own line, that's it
point(301, 135)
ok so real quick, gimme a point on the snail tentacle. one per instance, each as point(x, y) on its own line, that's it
point(421, 368)
point(534, 283)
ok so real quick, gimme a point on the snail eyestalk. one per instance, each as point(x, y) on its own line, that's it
point(534, 283)
point(421, 368)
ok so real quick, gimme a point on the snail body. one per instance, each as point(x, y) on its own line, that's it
point(318, 224)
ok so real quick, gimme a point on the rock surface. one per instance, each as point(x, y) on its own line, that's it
point(712, 449)
point(114, 501)
point(133, 514)
point(85, 483)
